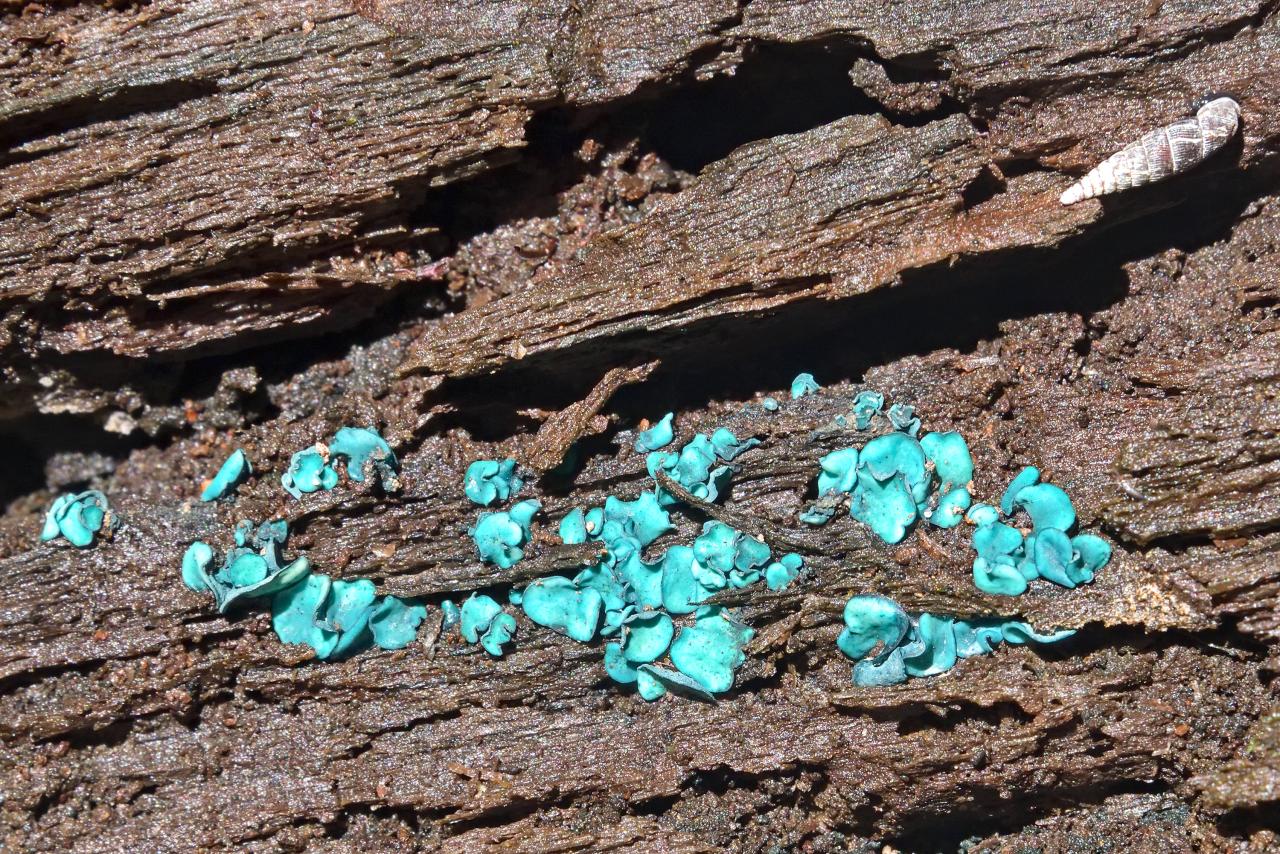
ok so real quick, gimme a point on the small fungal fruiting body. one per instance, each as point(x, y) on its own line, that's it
point(309, 471)
point(500, 537)
point(866, 406)
point(488, 481)
point(1161, 153)
point(232, 472)
point(484, 622)
point(365, 450)
point(803, 384)
point(657, 436)
point(77, 517)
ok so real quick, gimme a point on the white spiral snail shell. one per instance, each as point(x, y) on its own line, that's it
point(1161, 153)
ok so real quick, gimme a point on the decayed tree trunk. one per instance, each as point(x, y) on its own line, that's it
point(517, 227)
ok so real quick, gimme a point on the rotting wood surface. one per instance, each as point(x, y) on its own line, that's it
point(244, 225)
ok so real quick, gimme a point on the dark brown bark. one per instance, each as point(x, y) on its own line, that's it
point(508, 228)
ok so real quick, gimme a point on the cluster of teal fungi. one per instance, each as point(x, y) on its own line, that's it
point(487, 481)
point(251, 570)
point(704, 655)
point(623, 595)
point(890, 645)
point(230, 475)
point(334, 617)
point(900, 478)
point(366, 453)
point(1008, 560)
point(500, 537)
point(700, 466)
point(78, 517)
point(895, 481)
point(338, 618)
point(620, 595)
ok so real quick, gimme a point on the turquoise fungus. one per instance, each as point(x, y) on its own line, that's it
point(903, 418)
point(309, 471)
point(682, 586)
point(803, 384)
point(500, 537)
point(783, 571)
point(336, 618)
point(952, 462)
point(484, 622)
point(230, 475)
point(981, 514)
point(866, 406)
point(693, 467)
point(1008, 560)
point(645, 638)
point(721, 557)
point(727, 446)
point(838, 471)
point(705, 655)
point(394, 622)
point(252, 569)
point(559, 604)
point(77, 516)
point(573, 527)
point(579, 525)
point(643, 519)
point(711, 649)
point(451, 615)
point(699, 466)
point(896, 480)
point(874, 623)
point(1028, 476)
point(890, 482)
point(620, 577)
point(660, 611)
point(951, 508)
point(366, 451)
point(656, 437)
point(619, 598)
point(487, 481)
point(724, 556)
point(889, 645)
point(893, 485)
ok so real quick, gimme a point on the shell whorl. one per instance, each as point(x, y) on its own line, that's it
point(1161, 153)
